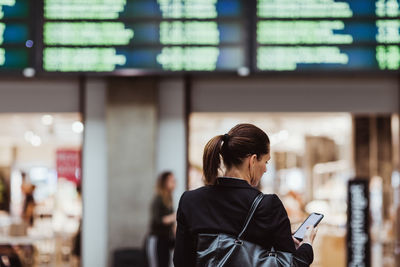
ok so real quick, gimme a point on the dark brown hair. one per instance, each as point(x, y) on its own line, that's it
point(241, 141)
point(162, 191)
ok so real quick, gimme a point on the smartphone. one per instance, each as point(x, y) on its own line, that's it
point(313, 219)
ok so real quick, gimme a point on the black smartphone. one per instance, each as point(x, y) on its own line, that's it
point(313, 219)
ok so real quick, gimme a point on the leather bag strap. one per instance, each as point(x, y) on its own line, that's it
point(250, 215)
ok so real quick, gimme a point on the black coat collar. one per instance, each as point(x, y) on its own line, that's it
point(233, 182)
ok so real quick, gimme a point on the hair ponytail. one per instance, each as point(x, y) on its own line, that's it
point(211, 159)
point(240, 142)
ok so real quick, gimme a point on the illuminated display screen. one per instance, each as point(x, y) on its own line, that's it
point(15, 35)
point(280, 58)
point(295, 35)
point(155, 35)
point(296, 9)
point(127, 9)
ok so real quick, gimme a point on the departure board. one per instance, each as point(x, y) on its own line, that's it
point(15, 35)
point(150, 35)
point(296, 35)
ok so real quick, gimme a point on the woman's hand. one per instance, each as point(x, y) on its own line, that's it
point(310, 234)
point(169, 219)
point(297, 242)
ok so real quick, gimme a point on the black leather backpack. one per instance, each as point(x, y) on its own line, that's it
point(217, 250)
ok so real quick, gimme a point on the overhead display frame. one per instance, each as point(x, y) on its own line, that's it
point(144, 35)
point(16, 36)
point(163, 36)
point(314, 35)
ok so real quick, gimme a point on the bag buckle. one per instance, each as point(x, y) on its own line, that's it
point(272, 254)
point(238, 242)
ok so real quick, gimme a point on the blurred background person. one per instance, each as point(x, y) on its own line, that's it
point(162, 226)
point(76, 248)
point(24, 184)
point(29, 205)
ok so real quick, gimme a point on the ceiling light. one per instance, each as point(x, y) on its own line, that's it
point(36, 140)
point(47, 120)
point(28, 136)
point(29, 72)
point(77, 127)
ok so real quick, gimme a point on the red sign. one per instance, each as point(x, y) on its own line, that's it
point(69, 165)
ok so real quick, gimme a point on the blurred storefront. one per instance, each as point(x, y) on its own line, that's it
point(40, 159)
point(43, 125)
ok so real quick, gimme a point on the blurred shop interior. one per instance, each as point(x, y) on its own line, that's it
point(40, 174)
point(312, 161)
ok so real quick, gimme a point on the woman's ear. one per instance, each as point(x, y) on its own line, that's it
point(252, 161)
point(252, 164)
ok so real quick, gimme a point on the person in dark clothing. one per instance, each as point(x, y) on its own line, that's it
point(161, 238)
point(76, 248)
point(222, 205)
point(29, 205)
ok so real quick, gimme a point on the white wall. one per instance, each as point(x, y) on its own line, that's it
point(94, 178)
point(171, 138)
point(357, 94)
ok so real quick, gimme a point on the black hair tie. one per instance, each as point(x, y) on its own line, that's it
point(225, 137)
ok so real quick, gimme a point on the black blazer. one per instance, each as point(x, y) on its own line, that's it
point(223, 208)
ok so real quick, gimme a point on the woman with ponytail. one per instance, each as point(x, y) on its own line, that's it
point(221, 206)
